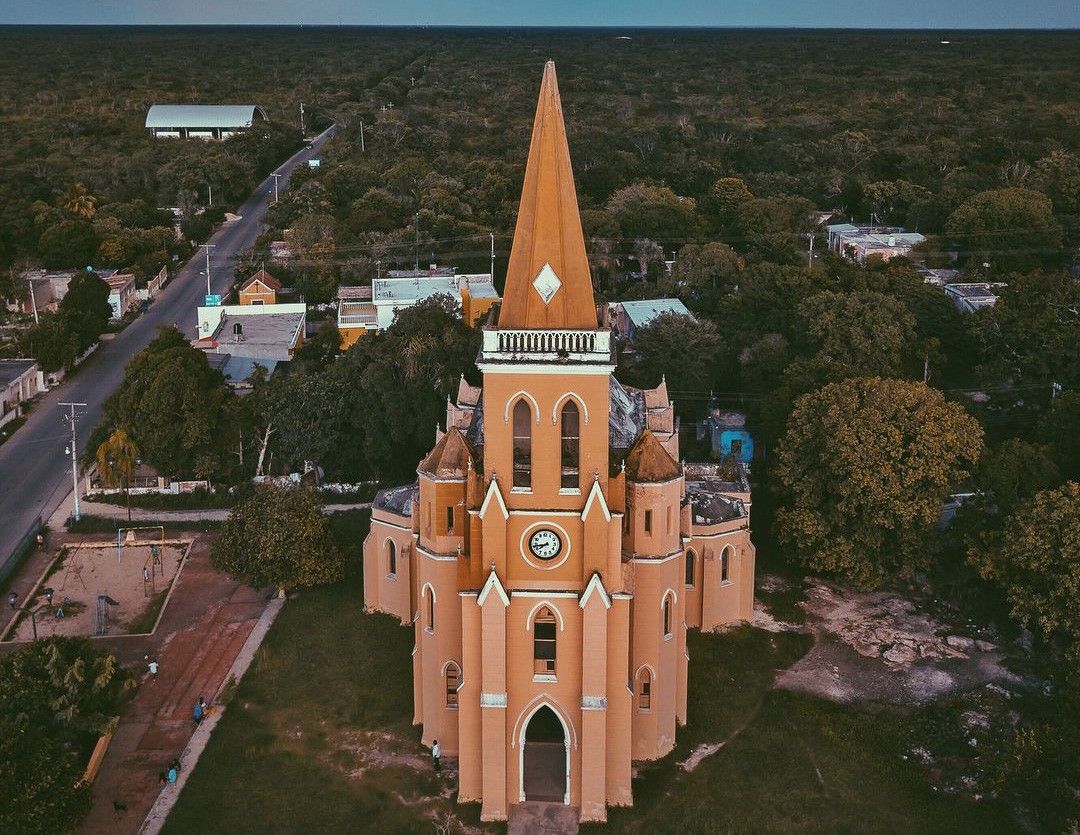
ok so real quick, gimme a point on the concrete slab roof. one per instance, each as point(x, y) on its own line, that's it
point(643, 312)
point(12, 370)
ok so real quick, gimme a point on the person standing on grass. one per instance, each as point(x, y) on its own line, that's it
point(153, 665)
point(199, 713)
point(435, 753)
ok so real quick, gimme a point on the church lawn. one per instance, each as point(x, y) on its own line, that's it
point(791, 762)
point(318, 737)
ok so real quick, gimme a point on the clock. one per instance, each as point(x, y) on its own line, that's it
point(545, 544)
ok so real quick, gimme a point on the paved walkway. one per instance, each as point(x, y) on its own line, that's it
point(204, 630)
point(533, 818)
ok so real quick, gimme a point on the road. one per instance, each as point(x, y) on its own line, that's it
point(35, 472)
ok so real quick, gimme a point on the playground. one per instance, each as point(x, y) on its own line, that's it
point(100, 587)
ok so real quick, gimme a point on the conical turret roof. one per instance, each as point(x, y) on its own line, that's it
point(450, 458)
point(547, 281)
point(648, 461)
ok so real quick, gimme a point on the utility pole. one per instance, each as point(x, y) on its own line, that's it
point(276, 177)
point(362, 148)
point(208, 247)
point(72, 418)
point(302, 129)
point(418, 242)
point(210, 195)
point(492, 257)
point(810, 257)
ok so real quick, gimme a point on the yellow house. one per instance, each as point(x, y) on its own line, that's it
point(262, 288)
point(553, 551)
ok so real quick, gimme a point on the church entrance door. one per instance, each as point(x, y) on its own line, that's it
point(545, 758)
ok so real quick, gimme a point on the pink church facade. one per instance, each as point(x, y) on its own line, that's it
point(553, 552)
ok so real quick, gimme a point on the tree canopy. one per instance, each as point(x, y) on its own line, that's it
point(56, 696)
point(1036, 563)
point(171, 404)
point(865, 465)
point(278, 537)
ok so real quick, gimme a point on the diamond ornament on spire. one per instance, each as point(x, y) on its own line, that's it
point(546, 283)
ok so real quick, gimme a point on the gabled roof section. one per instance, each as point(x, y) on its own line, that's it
point(265, 278)
point(648, 461)
point(547, 281)
point(493, 492)
point(450, 458)
point(595, 587)
point(596, 498)
point(493, 584)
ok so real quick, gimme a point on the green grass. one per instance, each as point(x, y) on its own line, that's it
point(765, 778)
point(9, 428)
point(326, 676)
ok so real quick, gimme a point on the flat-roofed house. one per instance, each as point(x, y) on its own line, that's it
point(629, 316)
point(971, 297)
point(18, 383)
point(121, 293)
point(202, 121)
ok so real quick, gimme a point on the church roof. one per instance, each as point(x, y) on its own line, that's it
point(648, 461)
point(450, 458)
point(547, 281)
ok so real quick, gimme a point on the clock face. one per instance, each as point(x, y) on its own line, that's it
point(545, 544)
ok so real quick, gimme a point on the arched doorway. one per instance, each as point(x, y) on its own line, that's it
point(545, 759)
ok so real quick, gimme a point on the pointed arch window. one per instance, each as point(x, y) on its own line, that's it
point(571, 445)
point(522, 445)
point(725, 566)
point(391, 558)
point(453, 680)
point(690, 568)
point(667, 616)
point(544, 630)
point(645, 690)
point(429, 613)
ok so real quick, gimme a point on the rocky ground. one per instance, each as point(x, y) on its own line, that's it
point(885, 647)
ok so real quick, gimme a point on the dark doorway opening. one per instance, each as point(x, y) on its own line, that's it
point(545, 752)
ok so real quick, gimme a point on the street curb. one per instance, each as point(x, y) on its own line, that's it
point(166, 799)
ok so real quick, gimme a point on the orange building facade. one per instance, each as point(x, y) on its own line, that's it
point(553, 552)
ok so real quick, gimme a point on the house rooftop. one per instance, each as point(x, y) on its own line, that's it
point(640, 313)
point(118, 282)
point(12, 370)
point(260, 335)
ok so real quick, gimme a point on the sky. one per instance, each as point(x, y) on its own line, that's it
point(877, 14)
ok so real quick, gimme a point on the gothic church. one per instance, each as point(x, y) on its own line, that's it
point(554, 550)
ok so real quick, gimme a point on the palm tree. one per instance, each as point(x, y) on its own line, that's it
point(80, 202)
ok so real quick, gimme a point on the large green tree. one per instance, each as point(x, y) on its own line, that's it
point(1036, 561)
point(172, 405)
point(278, 537)
point(865, 464)
point(86, 307)
point(1010, 228)
point(679, 347)
point(863, 333)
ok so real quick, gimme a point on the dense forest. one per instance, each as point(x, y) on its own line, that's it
point(719, 151)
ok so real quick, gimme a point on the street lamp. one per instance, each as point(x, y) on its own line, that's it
point(13, 599)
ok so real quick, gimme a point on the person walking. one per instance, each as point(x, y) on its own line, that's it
point(41, 541)
point(435, 754)
point(153, 665)
point(171, 776)
point(199, 713)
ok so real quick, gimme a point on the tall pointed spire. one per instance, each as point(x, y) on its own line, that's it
point(547, 281)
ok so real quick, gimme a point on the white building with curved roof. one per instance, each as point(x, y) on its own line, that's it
point(202, 121)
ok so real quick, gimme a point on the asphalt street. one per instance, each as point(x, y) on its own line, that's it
point(35, 471)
